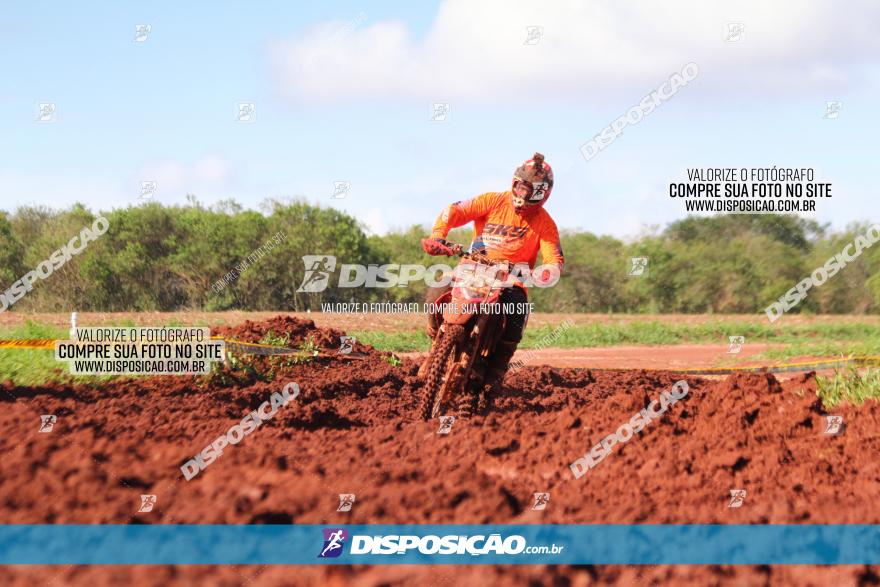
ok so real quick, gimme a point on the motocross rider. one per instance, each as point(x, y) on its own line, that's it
point(513, 226)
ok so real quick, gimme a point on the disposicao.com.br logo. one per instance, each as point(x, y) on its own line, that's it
point(320, 268)
point(334, 541)
point(452, 544)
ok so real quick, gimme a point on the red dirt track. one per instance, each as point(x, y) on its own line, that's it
point(352, 430)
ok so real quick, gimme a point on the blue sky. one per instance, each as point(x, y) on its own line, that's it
point(343, 92)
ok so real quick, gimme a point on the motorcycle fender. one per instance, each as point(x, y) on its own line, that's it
point(458, 314)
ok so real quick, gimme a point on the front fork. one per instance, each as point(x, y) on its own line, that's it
point(480, 349)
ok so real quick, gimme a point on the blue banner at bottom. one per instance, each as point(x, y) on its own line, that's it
point(439, 544)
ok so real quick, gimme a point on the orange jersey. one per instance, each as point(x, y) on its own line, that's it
point(505, 234)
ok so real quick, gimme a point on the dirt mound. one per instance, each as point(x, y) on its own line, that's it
point(296, 330)
point(352, 429)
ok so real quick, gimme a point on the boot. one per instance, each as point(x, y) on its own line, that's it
point(495, 371)
point(498, 363)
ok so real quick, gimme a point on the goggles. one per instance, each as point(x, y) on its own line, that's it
point(532, 193)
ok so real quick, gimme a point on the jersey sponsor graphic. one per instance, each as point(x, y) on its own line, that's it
point(492, 229)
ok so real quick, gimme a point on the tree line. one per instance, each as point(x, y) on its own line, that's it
point(170, 258)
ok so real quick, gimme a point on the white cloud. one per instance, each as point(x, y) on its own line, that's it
point(477, 50)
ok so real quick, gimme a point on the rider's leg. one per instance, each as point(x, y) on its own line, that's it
point(433, 295)
point(517, 299)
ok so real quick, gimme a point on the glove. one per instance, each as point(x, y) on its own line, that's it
point(548, 276)
point(437, 247)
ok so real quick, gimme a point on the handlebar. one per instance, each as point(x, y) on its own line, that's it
point(478, 256)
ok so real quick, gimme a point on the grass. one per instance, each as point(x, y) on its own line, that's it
point(272, 339)
point(836, 338)
point(664, 333)
point(36, 367)
point(392, 360)
point(831, 348)
point(397, 342)
point(849, 386)
point(306, 351)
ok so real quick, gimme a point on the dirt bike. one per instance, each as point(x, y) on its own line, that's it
point(455, 368)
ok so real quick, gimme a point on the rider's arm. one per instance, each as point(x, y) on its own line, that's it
point(460, 213)
point(551, 248)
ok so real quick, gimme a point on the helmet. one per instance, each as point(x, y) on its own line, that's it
point(532, 183)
